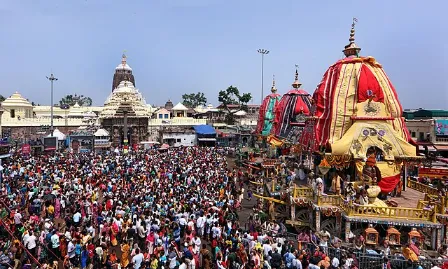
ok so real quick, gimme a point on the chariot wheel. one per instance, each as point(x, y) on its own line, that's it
point(281, 213)
point(303, 216)
point(329, 225)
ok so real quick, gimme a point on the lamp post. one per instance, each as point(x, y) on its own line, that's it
point(262, 52)
point(51, 79)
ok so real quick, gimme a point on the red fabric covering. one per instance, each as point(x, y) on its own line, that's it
point(387, 184)
point(322, 100)
point(369, 87)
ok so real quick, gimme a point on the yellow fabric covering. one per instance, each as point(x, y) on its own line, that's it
point(387, 169)
point(355, 143)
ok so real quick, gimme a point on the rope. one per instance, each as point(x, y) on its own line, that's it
point(3, 223)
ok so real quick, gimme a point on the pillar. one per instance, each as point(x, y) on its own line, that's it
point(293, 211)
point(338, 223)
point(317, 220)
point(439, 237)
point(405, 179)
point(347, 230)
point(434, 241)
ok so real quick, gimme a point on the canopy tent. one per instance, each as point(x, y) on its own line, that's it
point(101, 132)
point(204, 130)
point(58, 134)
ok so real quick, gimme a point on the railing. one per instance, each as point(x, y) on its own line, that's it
point(333, 200)
point(302, 192)
point(422, 187)
point(176, 121)
point(28, 122)
point(389, 212)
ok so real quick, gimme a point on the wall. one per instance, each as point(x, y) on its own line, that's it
point(182, 139)
point(418, 127)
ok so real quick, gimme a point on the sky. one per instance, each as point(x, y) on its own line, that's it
point(185, 46)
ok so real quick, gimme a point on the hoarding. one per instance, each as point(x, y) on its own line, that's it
point(432, 172)
point(441, 127)
point(50, 143)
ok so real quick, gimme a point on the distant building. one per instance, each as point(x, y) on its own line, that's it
point(429, 128)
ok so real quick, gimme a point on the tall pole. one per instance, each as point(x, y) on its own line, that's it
point(262, 52)
point(51, 79)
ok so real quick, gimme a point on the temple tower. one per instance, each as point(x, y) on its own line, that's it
point(123, 72)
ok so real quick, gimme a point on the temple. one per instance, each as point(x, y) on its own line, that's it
point(123, 72)
point(125, 115)
point(267, 112)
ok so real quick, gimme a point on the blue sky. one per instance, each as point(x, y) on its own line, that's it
point(183, 46)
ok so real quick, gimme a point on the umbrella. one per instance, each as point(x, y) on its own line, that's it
point(48, 197)
point(165, 146)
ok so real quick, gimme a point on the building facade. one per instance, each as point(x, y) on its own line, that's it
point(429, 128)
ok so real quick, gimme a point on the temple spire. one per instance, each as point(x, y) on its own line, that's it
point(296, 84)
point(123, 58)
point(273, 89)
point(352, 49)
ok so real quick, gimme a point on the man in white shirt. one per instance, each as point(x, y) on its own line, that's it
point(137, 259)
point(30, 243)
point(77, 219)
point(200, 223)
point(71, 251)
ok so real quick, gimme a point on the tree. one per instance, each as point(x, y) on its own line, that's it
point(232, 96)
point(71, 100)
point(193, 100)
point(2, 98)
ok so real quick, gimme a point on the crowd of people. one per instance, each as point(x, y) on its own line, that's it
point(176, 208)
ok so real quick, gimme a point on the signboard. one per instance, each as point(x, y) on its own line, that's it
point(441, 127)
point(26, 149)
point(4, 149)
point(432, 172)
point(50, 143)
point(82, 143)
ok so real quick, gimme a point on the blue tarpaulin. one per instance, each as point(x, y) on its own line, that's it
point(205, 130)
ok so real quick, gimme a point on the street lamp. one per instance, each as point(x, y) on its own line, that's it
point(51, 79)
point(262, 52)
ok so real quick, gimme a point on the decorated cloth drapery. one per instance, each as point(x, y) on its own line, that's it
point(267, 114)
point(346, 83)
point(291, 112)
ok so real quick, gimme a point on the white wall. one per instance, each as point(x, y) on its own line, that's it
point(181, 139)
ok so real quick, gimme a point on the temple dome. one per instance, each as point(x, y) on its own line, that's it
point(123, 67)
point(125, 95)
point(16, 100)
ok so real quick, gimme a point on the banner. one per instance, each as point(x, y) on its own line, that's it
point(26, 149)
point(432, 172)
point(441, 127)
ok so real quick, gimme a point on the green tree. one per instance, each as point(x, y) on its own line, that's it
point(193, 100)
point(2, 98)
point(232, 96)
point(71, 100)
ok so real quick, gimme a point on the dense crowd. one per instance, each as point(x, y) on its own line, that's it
point(176, 208)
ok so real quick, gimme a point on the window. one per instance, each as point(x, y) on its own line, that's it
point(421, 136)
point(13, 113)
point(178, 140)
point(413, 134)
point(160, 116)
point(166, 116)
